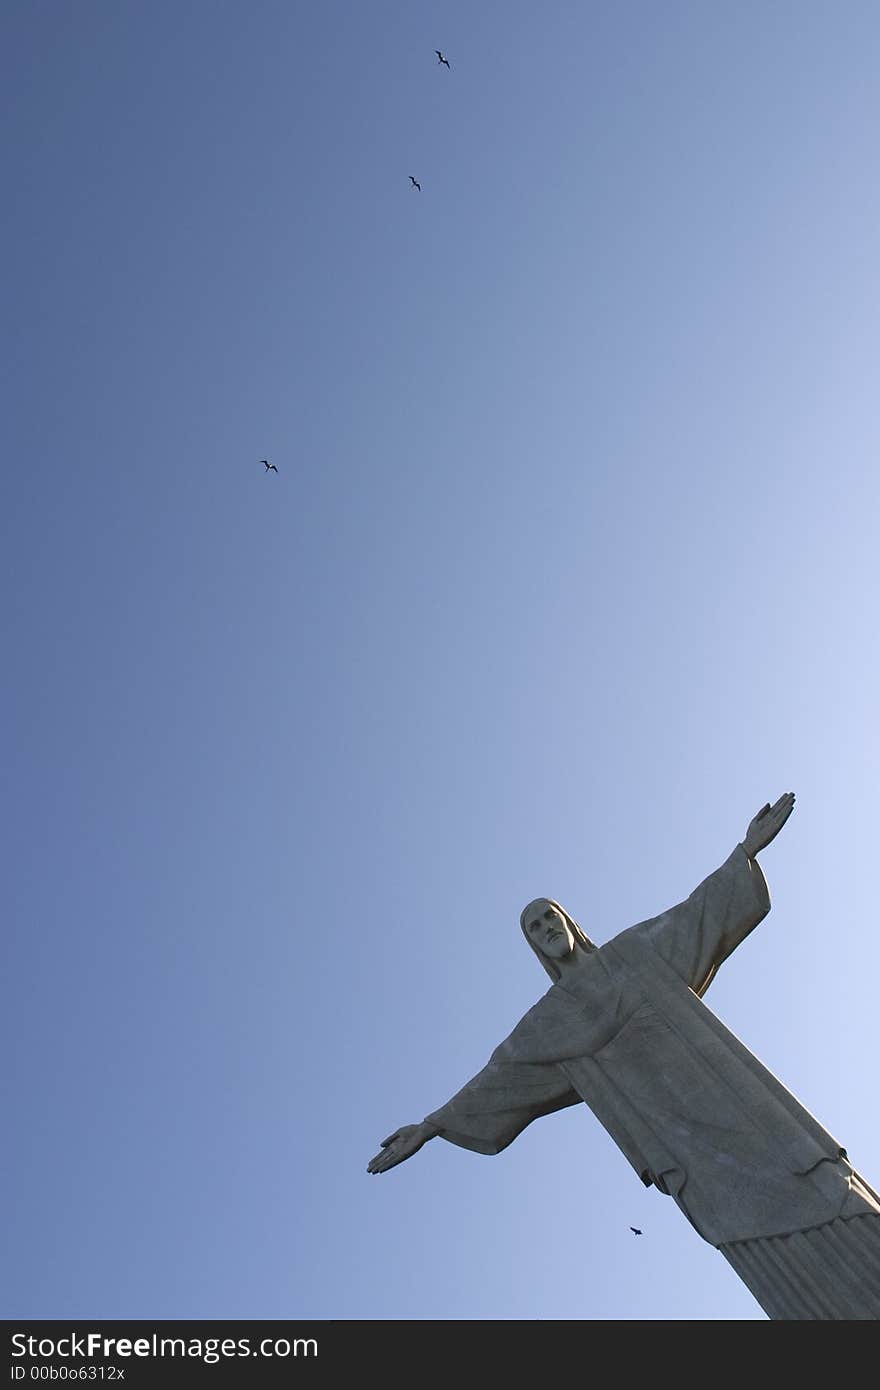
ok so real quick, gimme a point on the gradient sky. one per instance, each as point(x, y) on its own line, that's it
point(569, 565)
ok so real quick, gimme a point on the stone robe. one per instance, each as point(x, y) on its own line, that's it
point(694, 1111)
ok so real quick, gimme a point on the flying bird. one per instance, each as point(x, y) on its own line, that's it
point(269, 465)
point(635, 1230)
point(415, 183)
point(441, 59)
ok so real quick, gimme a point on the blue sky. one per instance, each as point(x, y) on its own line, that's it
point(569, 566)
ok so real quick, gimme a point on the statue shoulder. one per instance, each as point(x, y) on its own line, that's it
point(551, 1011)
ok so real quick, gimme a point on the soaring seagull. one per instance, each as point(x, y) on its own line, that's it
point(441, 59)
point(269, 465)
point(635, 1230)
point(415, 183)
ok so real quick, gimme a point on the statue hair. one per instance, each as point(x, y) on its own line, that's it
point(581, 938)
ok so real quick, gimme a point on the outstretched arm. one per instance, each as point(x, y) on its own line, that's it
point(402, 1144)
point(496, 1105)
point(699, 934)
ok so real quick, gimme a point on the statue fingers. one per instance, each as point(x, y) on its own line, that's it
point(380, 1163)
point(388, 1160)
point(783, 808)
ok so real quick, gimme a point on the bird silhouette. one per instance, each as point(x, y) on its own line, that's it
point(635, 1230)
point(415, 183)
point(441, 59)
point(269, 465)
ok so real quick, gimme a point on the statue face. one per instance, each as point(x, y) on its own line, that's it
point(549, 931)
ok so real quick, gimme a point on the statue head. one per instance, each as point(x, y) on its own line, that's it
point(553, 934)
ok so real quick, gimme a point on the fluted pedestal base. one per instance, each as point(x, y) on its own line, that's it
point(828, 1272)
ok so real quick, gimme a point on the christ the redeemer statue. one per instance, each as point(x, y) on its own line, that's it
point(697, 1115)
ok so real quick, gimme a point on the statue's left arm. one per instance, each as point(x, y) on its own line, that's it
point(699, 934)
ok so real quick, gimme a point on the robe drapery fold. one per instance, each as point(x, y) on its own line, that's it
point(694, 1111)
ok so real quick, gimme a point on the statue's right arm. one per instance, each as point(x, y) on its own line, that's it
point(402, 1144)
point(491, 1110)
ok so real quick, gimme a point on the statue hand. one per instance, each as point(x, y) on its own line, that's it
point(403, 1143)
point(767, 824)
